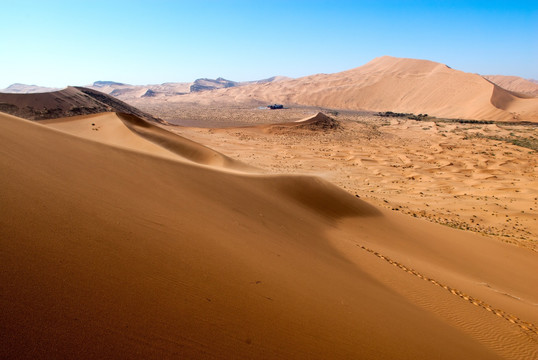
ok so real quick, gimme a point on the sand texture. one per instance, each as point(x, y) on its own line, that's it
point(122, 240)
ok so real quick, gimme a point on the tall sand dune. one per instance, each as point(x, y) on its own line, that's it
point(390, 84)
point(110, 252)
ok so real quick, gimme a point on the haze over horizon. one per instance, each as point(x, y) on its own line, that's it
point(64, 43)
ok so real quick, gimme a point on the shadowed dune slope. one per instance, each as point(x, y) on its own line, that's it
point(112, 253)
point(391, 84)
point(70, 101)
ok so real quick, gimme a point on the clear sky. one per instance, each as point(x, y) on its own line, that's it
point(76, 42)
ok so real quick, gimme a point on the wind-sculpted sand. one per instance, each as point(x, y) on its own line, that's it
point(122, 240)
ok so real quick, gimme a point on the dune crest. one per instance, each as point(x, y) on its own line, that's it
point(131, 132)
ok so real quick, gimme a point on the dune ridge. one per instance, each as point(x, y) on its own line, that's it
point(184, 147)
point(112, 252)
point(131, 132)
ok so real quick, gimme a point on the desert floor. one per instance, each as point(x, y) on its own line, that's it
point(466, 176)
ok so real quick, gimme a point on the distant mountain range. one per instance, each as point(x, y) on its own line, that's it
point(210, 84)
point(106, 83)
point(127, 91)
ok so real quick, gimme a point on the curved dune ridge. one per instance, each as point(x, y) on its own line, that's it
point(391, 84)
point(114, 252)
point(71, 101)
point(131, 132)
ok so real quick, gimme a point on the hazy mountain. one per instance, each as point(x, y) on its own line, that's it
point(211, 84)
point(106, 83)
point(26, 89)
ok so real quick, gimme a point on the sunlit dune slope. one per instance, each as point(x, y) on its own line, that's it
point(113, 253)
point(391, 84)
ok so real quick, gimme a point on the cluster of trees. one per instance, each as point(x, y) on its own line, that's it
point(406, 115)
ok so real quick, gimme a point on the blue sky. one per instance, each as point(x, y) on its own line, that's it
point(59, 43)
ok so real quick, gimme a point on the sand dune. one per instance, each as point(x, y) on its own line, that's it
point(388, 84)
point(70, 101)
point(318, 122)
point(113, 252)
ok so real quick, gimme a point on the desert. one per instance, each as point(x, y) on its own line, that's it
point(378, 208)
point(116, 236)
point(198, 232)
